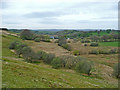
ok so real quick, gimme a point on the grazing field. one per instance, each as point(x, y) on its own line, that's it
point(113, 44)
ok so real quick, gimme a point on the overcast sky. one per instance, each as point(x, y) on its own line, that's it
point(60, 14)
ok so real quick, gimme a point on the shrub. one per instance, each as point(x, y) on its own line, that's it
point(114, 51)
point(94, 52)
point(47, 58)
point(40, 54)
point(46, 40)
point(19, 48)
point(76, 53)
point(61, 41)
point(68, 61)
point(85, 41)
point(66, 46)
point(57, 63)
point(37, 39)
point(56, 41)
point(28, 54)
point(68, 41)
point(85, 44)
point(94, 44)
point(104, 52)
point(116, 71)
point(84, 66)
point(13, 44)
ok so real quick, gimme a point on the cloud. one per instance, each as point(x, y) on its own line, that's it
point(60, 13)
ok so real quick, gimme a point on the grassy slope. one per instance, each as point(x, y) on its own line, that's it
point(17, 73)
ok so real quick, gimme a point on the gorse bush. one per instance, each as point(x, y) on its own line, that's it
point(24, 50)
point(94, 44)
point(85, 44)
point(40, 54)
point(47, 58)
point(94, 52)
point(68, 61)
point(66, 46)
point(13, 44)
point(63, 43)
point(19, 48)
point(57, 63)
point(85, 41)
point(84, 66)
point(37, 39)
point(114, 51)
point(116, 71)
point(76, 53)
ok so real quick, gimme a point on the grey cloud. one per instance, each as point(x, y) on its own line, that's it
point(42, 14)
point(50, 21)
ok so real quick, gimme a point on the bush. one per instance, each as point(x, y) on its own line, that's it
point(40, 54)
point(13, 44)
point(68, 61)
point(56, 41)
point(84, 66)
point(116, 71)
point(57, 63)
point(46, 40)
point(114, 51)
point(94, 52)
point(28, 54)
point(104, 52)
point(69, 42)
point(19, 48)
point(85, 44)
point(66, 46)
point(47, 58)
point(76, 53)
point(37, 39)
point(85, 41)
point(94, 44)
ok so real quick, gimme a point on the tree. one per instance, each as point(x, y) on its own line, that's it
point(27, 35)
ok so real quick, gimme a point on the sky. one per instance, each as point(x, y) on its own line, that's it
point(59, 14)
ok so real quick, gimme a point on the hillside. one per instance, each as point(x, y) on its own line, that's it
point(19, 74)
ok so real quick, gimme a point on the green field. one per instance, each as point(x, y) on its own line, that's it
point(113, 44)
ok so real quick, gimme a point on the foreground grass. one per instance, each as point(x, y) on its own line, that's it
point(19, 74)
